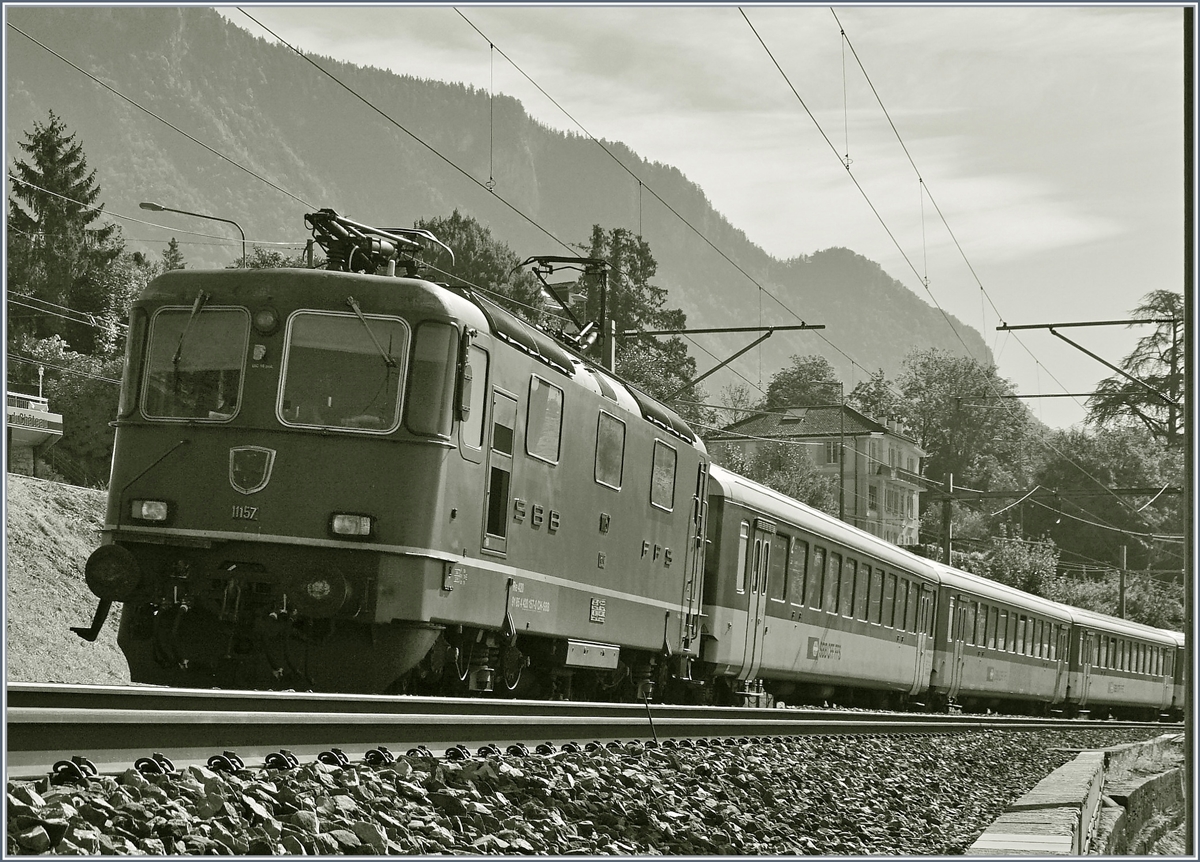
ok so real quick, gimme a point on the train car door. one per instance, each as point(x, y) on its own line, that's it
point(923, 658)
point(957, 631)
point(757, 565)
point(1085, 666)
point(1064, 667)
point(499, 478)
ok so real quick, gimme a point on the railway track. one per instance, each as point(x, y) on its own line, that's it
point(115, 726)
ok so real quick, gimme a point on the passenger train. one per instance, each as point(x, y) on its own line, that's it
point(357, 480)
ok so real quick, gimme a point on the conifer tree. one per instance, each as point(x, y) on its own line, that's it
point(56, 252)
point(173, 257)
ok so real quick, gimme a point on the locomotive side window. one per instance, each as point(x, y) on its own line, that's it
point(194, 365)
point(832, 582)
point(543, 430)
point(862, 592)
point(472, 427)
point(131, 373)
point(662, 477)
point(610, 450)
point(777, 565)
point(743, 547)
point(797, 570)
point(849, 574)
point(343, 372)
point(431, 380)
point(816, 577)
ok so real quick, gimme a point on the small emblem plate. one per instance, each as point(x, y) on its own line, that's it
point(250, 468)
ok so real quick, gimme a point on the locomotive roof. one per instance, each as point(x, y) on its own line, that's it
point(771, 502)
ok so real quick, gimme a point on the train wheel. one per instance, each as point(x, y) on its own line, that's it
point(512, 664)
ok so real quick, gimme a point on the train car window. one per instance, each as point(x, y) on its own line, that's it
point(797, 570)
point(743, 547)
point(431, 379)
point(662, 477)
point(1052, 637)
point(777, 568)
point(951, 621)
point(1002, 631)
point(993, 619)
point(816, 577)
point(610, 450)
point(472, 426)
point(930, 602)
point(901, 602)
point(862, 590)
point(981, 625)
point(889, 598)
point(1038, 638)
point(876, 612)
point(833, 576)
point(1021, 635)
point(194, 364)
point(969, 611)
point(543, 428)
point(343, 372)
point(914, 602)
point(849, 575)
point(1103, 655)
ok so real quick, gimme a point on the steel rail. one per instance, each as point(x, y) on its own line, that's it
point(114, 726)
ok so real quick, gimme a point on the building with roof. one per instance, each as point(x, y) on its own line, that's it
point(877, 464)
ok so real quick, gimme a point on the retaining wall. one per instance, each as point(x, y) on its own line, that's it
point(1072, 811)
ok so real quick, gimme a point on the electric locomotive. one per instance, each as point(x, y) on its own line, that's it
point(353, 480)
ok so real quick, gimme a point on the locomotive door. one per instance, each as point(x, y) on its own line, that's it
point(499, 476)
point(757, 565)
point(693, 563)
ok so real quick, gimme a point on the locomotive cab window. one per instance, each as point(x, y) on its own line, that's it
point(343, 372)
point(543, 430)
point(662, 477)
point(195, 362)
point(431, 386)
point(610, 450)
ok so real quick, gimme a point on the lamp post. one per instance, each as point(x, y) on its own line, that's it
point(158, 208)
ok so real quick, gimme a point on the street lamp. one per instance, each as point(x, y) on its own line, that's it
point(158, 208)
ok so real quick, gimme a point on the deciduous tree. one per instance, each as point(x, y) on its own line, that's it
point(1158, 362)
point(804, 382)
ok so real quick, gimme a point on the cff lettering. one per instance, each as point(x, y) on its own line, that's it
point(818, 648)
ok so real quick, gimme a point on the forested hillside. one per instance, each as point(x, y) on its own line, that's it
point(273, 113)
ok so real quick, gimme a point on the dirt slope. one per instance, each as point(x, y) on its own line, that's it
point(50, 530)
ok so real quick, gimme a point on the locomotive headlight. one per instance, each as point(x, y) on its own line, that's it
point(266, 320)
point(346, 524)
point(150, 510)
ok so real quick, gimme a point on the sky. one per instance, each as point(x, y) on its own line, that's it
point(1025, 165)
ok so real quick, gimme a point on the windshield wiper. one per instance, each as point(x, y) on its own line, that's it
point(201, 298)
point(387, 358)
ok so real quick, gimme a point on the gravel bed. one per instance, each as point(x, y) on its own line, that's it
point(915, 795)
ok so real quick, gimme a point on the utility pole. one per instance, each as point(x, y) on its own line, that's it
point(946, 518)
point(1121, 583)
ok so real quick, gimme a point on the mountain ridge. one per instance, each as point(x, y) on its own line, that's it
point(267, 109)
